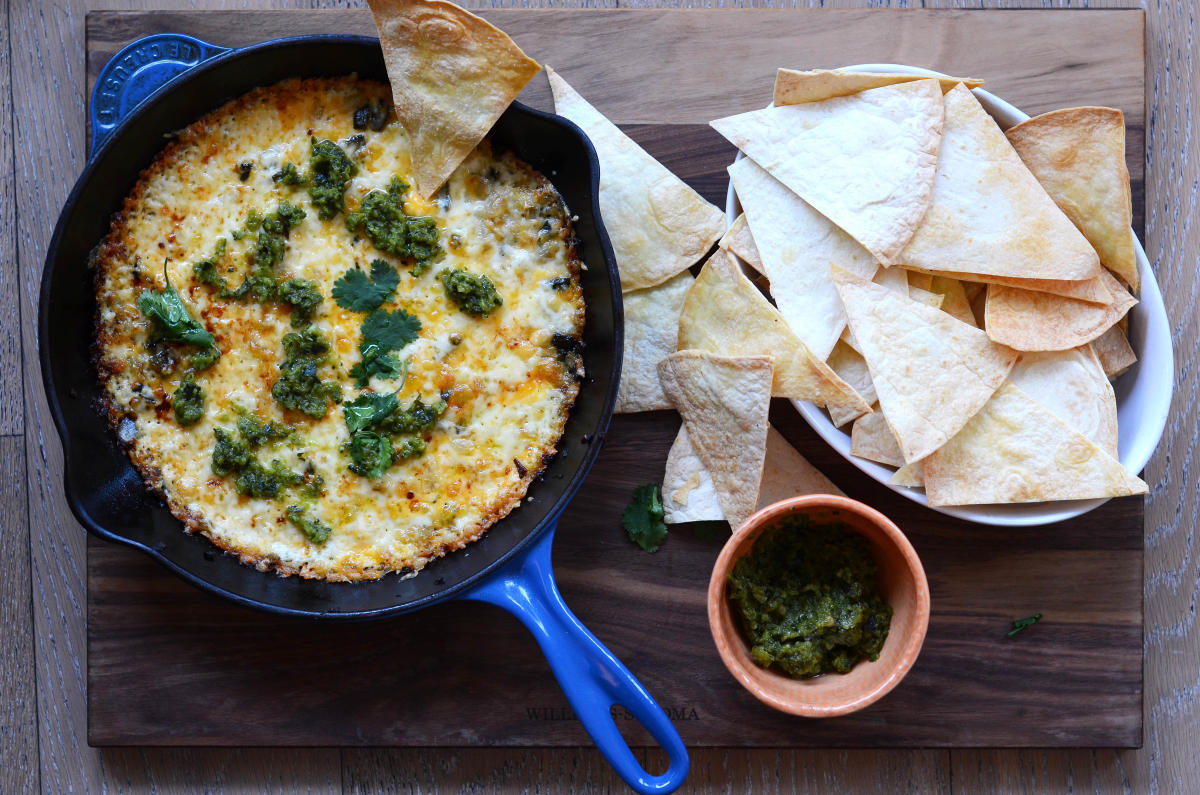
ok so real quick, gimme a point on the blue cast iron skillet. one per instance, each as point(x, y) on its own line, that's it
point(164, 82)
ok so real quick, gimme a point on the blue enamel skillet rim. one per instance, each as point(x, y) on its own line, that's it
point(160, 84)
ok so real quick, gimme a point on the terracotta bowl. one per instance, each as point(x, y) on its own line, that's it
point(903, 586)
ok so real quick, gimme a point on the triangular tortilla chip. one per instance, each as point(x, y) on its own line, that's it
point(894, 279)
point(988, 214)
point(724, 313)
point(657, 224)
point(1030, 321)
point(872, 438)
point(724, 402)
point(738, 241)
point(851, 367)
point(1016, 450)
point(931, 372)
point(651, 331)
point(922, 281)
point(954, 298)
point(1078, 154)
point(910, 475)
point(925, 297)
point(1073, 386)
point(1093, 289)
point(865, 161)
point(688, 493)
point(1113, 350)
point(793, 87)
point(690, 496)
point(786, 473)
point(797, 246)
point(452, 75)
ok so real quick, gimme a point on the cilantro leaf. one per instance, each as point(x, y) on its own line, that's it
point(383, 365)
point(368, 409)
point(386, 277)
point(388, 331)
point(643, 518)
point(169, 317)
point(1022, 624)
point(359, 293)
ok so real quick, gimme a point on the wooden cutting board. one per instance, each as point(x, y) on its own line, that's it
point(170, 665)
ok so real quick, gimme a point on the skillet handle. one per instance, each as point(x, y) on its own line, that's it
point(590, 676)
point(137, 71)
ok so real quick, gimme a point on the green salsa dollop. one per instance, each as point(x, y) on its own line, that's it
point(808, 600)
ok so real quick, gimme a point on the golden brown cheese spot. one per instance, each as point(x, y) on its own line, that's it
point(507, 392)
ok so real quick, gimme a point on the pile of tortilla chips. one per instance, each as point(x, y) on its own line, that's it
point(967, 285)
point(956, 291)
point(711, 346)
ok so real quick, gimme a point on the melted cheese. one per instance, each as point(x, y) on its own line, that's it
point(508, 390)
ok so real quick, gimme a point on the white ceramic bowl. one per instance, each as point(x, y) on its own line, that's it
point(1143, 391)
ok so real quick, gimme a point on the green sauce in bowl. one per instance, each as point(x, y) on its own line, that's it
point(807, 598)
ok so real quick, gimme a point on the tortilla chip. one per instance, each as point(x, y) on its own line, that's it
point(786, 473)
point(1094, 289)
point(925, 297)
point(657, 224)
point(872, 438)
point(910, 475)
point(725, 314)
point(724, 402)
point(793, 88)
point(931, 372)
point(798, 247)
point(738, 241)
point(1113, 351)
point(851, 367)
point(689, 494)
point(1016, 450)
point(922, 281)
point(651, 329)
point(1030, 321)
point(895, 280)
point(954, 298)
point(988, 214)
point(1078, 154)
point(1072, 385)
point(865, 161)
point(452, 75)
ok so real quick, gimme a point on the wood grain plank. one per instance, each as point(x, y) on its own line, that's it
point(18, 700)
point(12, 404)
point(700, 156)
point(181, 771)
point(583, 770)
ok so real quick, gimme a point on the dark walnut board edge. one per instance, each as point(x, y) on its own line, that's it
point(170, 665)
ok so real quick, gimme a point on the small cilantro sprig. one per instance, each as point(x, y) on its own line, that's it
point(643, 518)
point(390, 331)
point(1022, 624)
point(357, 292)
point(377, 364)
point(368, 409)
point(169, 317)
point(382, 333)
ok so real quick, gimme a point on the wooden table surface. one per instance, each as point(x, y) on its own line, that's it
point(42, 700)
